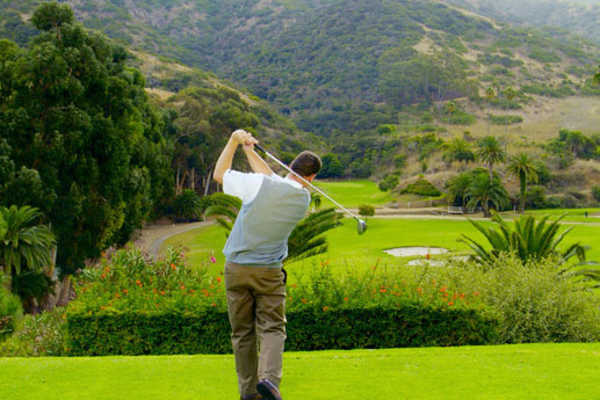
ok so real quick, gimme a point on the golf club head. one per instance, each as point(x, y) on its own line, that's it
point(361, 226)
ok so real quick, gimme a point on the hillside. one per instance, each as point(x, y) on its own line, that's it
point(345, 65)
point(580, 17)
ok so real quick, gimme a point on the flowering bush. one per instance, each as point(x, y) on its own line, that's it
point(130, 283)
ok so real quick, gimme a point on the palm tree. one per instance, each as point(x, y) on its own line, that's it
point(485, 192)
point(490, 94)
point(510, 94)
point(304, 241)
point(25, 250)
point(458, 150)
point(523, 167)
point(490, 152)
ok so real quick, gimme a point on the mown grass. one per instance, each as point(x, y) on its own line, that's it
point(349, 250)
point(538, 371)
point(353, 193)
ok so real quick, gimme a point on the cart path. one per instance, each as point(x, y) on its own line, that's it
point(153, 236)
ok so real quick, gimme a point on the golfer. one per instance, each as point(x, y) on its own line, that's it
point(255, 250)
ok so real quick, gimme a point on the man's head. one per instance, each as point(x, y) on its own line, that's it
point(307, 164)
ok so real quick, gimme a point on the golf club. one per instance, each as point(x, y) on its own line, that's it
point(361, 226)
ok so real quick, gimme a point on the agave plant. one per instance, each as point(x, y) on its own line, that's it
point(304, 241)
point(529, 240)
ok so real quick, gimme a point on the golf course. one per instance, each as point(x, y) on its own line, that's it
point(299, 200)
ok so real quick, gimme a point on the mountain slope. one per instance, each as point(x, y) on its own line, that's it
point(580, 17)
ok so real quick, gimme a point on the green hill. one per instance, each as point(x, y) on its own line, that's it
point(344, 65)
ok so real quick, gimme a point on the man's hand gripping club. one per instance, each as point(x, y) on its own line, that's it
point(240, 137)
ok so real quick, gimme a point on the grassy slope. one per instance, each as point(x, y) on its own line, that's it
point(541, 371)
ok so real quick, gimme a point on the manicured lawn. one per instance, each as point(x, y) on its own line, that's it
point(353, 193)
point(539, 371)
point(347, 249)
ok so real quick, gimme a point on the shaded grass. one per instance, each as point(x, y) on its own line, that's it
point(539, 371)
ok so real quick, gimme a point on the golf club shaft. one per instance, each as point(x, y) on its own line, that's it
point(272, 157)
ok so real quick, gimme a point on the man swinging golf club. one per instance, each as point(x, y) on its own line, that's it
point(255, 250)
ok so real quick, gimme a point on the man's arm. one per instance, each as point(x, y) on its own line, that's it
point(256, 162)
point(226, 158)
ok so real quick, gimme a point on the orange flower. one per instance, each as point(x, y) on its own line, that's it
point(455, 296)
point(173, 267)
point(443, 289)
point(182, 287)
point(325, 309)
point(382, 290)
point(475, 293)
point(304, 301)
point(345, 299)
point(154, 291)
point(137, 282)
point(462, 295)
point(294, 285)
point(450, 303)
point(125, 291)
point(103, 276)
point(219, 279)
point(117, 295)
point(420, 291)
point(213, 305)
point(162, 292)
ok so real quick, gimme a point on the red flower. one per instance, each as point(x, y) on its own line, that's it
point(219, 279)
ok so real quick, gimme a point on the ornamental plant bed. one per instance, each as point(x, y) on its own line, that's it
point(132, 306)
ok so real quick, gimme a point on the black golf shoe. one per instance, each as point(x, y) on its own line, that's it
point(252, 397)
point(268, 390)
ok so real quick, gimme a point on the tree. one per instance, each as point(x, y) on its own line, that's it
point(490, 152)
point(332, 167)
point(597, 77)
point(79, 131)
point(25, 252)
point(524, 168)
point(487, 193)
point(490, 95)
point(458, 150)
point(510, 95)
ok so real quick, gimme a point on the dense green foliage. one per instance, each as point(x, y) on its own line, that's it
point(310, 329)
point(79, 138)
point(37, 335)
point(422, 187)
point(10, 311)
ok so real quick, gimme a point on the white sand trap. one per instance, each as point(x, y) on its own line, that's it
point(422, 263)
point(416, 251)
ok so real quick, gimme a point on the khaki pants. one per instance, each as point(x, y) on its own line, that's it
point(256, 308)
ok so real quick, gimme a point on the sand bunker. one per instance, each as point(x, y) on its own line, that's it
point(416, 251)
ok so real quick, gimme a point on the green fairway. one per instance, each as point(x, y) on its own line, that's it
point(347, 248)
point(351, 194)
point(540, 371)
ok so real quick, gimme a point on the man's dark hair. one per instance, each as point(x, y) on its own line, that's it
point(306, 164)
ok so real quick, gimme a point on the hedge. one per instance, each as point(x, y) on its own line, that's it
point(411, 325)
